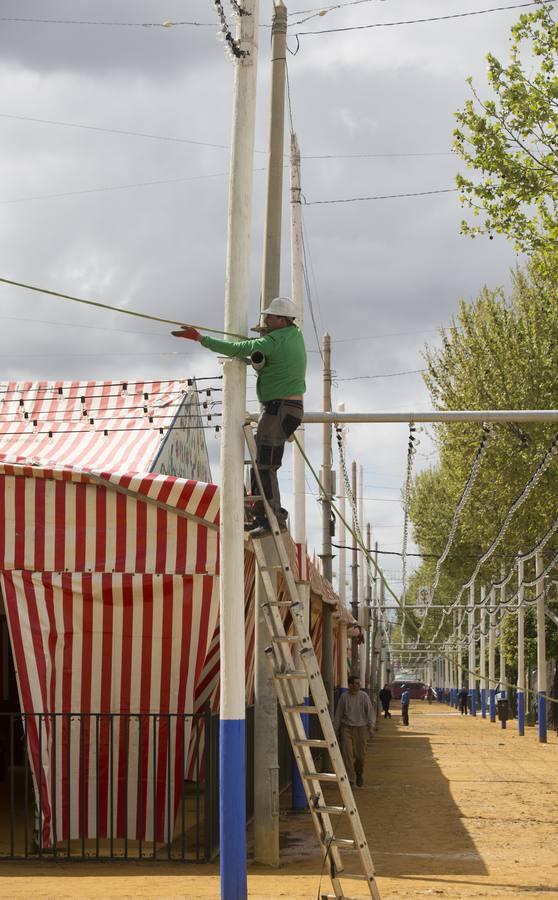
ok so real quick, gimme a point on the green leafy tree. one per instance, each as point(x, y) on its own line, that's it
point(498, 353)
point(511, 140)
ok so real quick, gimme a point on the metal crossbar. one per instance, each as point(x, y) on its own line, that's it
point(290, 679)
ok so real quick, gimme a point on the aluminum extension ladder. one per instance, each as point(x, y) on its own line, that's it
point(290, 679)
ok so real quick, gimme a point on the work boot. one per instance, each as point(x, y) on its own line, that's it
point(359, 780)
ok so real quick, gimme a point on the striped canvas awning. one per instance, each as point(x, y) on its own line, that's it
point(104, 620)
point(119, 425)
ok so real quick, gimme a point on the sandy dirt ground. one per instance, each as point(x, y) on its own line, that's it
point(452, 806)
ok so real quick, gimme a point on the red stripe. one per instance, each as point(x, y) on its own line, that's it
point(181, 544)
point(60, 526)
point(125, 684)
point(85, 707)
point(2, 522)
point(39, 524)
point(161, 538)
point(66, 675)
point(101, 529)
point(81, 525)
point(120, 556)
point(141, 536)
point(105, 705)
point(145, 701)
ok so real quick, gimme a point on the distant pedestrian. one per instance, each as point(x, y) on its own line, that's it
point(385, 700)
point(353, 725)
point(463, 698)
point(405, 700)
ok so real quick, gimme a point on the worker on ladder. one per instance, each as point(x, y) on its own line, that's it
point(280, 387)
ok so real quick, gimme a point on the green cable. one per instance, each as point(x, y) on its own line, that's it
point(119, 309)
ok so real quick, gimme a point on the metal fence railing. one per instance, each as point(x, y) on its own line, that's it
point(105, 786)
point(102, 786)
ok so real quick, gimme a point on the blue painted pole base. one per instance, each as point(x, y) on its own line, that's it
point(473, 702)
point(483, 703)
point(298, 796)
point(232, 809)
point(492, 704)
point(541, 703)
point(520, 713)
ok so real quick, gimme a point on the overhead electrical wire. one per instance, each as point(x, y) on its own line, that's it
point(460, 15)
point(196, 143)
point(379, 197)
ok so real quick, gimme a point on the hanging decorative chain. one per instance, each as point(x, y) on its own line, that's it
point(224, 34)
point(455, 522)
point(411, 451)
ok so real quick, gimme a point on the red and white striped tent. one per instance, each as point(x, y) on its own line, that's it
point(108, 575)
point(109, 578)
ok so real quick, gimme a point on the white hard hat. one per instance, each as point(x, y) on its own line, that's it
point(281, 306)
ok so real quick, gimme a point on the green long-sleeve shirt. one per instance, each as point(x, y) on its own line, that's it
point(285, 369)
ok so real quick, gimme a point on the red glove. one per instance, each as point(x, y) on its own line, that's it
point(191, 334)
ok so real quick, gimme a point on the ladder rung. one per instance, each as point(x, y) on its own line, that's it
point(354, 877)
point(287, 639)
point(300, 708)
point(320, 776)
point(335, 896)
point(311, 742)
point(343, 844)
point(249, 498)
point(329, 810)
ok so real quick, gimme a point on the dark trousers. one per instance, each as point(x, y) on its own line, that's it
point(278, 421)
point(405, 713)
point(463, 705)
point(385, 707)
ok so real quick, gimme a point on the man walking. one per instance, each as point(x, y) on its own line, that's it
point(405, 700)
point(353, 725)
point(385, 700)
point(280, 388)
point(463, 698)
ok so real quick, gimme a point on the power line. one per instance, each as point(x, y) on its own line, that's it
point(462, 15)
point(384, 375)
point(380, 197)
point(196, 143)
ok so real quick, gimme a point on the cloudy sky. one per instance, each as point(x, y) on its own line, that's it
point(139, 219)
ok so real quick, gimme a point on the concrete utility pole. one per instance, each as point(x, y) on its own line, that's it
point(354, 578)
point(342, 568)
point(299, 533)
point(266, 759)
point(520, 649)
point(502, 653)
point(326, 554)
point(232, 773)
point(541, 650)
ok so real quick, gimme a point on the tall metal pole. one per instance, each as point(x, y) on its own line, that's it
point(541, 650)
point(342, 568)
point(299, 534)
point(520, 648)
point(492, 657)
point(266, 756)
point(354, 578)
point(482, 651)
point(472, 654)
point(232, 772)
point(326, 554)
point(503, 691)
